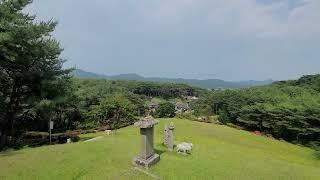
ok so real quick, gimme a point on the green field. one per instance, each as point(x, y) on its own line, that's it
point(219, 152)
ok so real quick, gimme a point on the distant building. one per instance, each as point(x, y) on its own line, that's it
point(182, 107)
point(153, 106)
point(219, 89)
point(190, 98)
point(194, 98)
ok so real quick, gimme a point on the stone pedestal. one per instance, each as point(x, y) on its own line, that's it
point(147, 157)
point(146, 163)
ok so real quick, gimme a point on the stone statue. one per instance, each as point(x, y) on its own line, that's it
point(184, 148)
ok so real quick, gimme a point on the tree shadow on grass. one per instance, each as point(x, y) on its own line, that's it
point(9, 153)
point(316, 154)
point(80, 174)
point(159, 151)
point(86, 138)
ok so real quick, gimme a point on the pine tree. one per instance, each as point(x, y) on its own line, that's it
point(30, 63)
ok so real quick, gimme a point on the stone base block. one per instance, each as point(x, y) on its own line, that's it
point(147, 162)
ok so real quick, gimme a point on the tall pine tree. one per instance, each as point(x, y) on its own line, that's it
point(30, 64)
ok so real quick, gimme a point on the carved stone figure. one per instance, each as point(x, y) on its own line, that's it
point(184, 148)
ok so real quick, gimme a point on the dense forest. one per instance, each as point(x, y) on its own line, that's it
point(93, 99)
point(288, 110)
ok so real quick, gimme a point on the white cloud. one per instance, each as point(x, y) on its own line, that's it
point(231, 39)
point(276, 19)
point(304, 21)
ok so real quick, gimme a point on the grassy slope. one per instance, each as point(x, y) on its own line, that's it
point(219, 153)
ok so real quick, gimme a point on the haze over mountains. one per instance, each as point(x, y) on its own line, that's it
point(207, 83)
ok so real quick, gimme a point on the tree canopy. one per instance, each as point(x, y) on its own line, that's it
point(289, 110)
point(114, 110)
point(30, 64)
point(165, 110)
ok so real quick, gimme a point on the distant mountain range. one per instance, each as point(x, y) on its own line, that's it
point(207, 83)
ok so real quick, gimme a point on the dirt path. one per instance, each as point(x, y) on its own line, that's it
point(94, 139)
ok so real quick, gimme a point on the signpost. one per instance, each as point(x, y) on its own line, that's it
point(50, 128)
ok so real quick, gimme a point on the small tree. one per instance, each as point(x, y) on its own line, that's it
point(165, 109)
point(223, 117)
point(114, 110)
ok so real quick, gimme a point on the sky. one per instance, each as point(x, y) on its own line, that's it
point(226, 39)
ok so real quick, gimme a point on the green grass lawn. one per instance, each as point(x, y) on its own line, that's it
point(219, 153)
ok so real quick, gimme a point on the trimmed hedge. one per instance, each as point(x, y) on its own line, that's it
point(33, 138)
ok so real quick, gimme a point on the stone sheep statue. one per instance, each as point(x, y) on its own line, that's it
point(184, 148)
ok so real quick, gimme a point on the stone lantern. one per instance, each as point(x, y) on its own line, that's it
point(147, 156)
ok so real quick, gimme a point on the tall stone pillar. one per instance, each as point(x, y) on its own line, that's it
point(171, 138)
point(168, 136)
point(147, 157)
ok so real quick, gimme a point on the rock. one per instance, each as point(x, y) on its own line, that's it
point(258, 133)
point(108, 132)
point(200, 119)
point(269, 136)
point(184, 148)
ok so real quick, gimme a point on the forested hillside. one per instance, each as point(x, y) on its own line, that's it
point(309, 81)
point(205, 84)
point(284, 110)
point(94, 104)
point(95, 96)
point(288, 110)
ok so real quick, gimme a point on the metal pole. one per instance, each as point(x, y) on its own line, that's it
point(50, 135)
point(50, 131)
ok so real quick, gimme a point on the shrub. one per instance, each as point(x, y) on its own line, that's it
point(88, 124)
point(115, 111)
point(89, 131)
point(165, 110)
point(42, 138)
point(232, 125)
point(16, 143)
point(186, 115)
point(223, 117)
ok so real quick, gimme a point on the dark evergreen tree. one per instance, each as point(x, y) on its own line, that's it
point(30, 64)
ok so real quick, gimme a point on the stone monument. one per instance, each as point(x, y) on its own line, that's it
point(168, 136)
point(165, 135)
point(147, 156)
